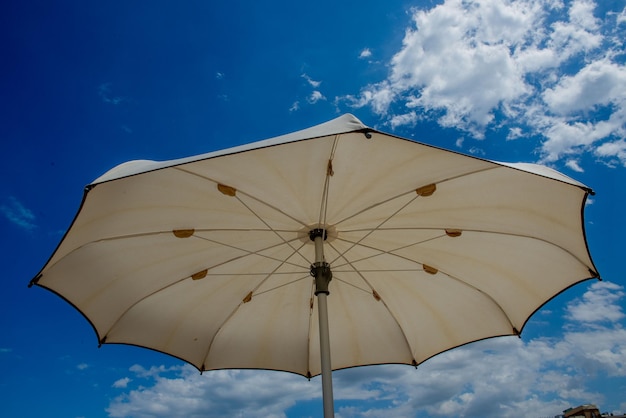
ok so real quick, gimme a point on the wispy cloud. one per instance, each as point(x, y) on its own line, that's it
point(18, 214)
point(574, 165)
point(105, 93)
point(555, 69)
point(365, 53)
point(313, 83)
point(315, 97)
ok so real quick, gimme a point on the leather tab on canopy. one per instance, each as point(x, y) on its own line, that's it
point(248, 298)
point(329, 169)
point(429, 269)
point(427, 190)
point(183, 233)
point(199, 275)
point(227, 190)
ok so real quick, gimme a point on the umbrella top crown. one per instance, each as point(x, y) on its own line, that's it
point(344, 124)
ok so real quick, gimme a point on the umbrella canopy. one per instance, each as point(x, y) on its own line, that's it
point(209, 258)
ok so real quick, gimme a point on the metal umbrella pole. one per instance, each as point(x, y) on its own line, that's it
point(323, 275)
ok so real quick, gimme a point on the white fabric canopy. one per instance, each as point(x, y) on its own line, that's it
point(207, 258)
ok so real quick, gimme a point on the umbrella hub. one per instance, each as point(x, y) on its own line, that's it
point(318, 232)
point(320, 269)
point(327, 232)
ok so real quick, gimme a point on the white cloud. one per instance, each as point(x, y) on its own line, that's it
point(379, 96)
point(82, 366)
point(621, 17)
point(295, 106)
point(599, 83)
point(18, 214)
point(615, 149)
point(365, 53)
point(574, 165)
point(514, 133)
point(405, 119)
point(315, 97)
point(553, 68)
point(214, 394)
point(313, 83)
point(121, 383)
point(599, 303)
point(491, 378)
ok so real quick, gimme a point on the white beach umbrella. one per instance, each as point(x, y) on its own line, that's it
point(410, 249)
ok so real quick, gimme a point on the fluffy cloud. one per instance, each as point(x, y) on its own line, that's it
point(183, 392)
point(491, 378)
point(598, 304)
point(553, 68)
point(121, 383)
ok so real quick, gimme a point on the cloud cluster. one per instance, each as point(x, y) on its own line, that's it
point(491, 378)
point(545, 68)
point(313, 97)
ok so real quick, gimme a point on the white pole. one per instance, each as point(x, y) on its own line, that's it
point(321, 271)
point(327, 378)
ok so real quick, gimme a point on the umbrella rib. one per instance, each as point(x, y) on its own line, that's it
point(325, 191)
point(457, 279)
point(488, 296)
point(248, 252)
point(246, 299)
point(267, 275)
point(381, 252)
point(574, 256)
point(348, 283)
point(278, 273)
point(263, 202)
point(377, 297)
point(382, 202)
point(245, 194)
point(370, 231)
point(282, 285)
point(288, 242)
point(138, 301)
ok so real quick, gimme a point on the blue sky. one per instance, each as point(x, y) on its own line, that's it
point(88, 85)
